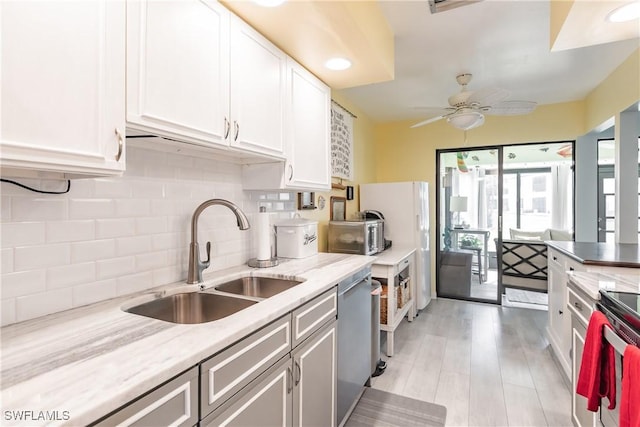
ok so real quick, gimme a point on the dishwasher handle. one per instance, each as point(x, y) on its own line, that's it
point(352, 286)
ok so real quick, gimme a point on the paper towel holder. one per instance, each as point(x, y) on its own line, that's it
point(262, 263)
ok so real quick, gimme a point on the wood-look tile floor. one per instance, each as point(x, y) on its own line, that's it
point(489, 365)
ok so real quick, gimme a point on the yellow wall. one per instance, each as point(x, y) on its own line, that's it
point(364, 170)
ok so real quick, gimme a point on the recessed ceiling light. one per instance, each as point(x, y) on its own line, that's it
point(269, 3)
point(338, 64)
point(625, 13)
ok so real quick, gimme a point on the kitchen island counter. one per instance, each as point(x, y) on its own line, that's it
point(600, 253)
point(84, 363)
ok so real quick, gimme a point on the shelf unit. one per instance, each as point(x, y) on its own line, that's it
point(388, 266)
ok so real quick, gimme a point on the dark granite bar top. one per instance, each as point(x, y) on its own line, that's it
point(605, 254)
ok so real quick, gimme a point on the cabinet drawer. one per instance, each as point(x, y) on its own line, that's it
point(227, 372)
point(174, 403)
point(573, 265)
point(555, 258)
point(580, 306)
point(309, 317)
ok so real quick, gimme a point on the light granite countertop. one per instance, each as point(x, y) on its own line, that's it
point(393, 255)
point(91, 360)
point(592, 283)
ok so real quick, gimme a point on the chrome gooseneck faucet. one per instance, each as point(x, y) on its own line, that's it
point(196, 267)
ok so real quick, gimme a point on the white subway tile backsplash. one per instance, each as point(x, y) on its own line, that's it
point(133, 283)
point(5, 207)
point(151, 225)
point(151, 261)
point(114, 267)
point(93, 250)
point(70, 231)
point(22, 233)
point(72, 274)
point(36, 305)
point(133, 245)
point(38, 209)
point(7, 311)
point(23, 283)
point(115, 227)
point(33, 257)
point(109, 188)
point(91, 292)
point(133, 207)
point(91, 208)
point(117, 235)
point(6, 255)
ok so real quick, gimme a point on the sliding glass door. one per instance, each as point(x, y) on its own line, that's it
point(469, 223)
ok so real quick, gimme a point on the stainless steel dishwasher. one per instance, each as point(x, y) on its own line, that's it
point(354, 340)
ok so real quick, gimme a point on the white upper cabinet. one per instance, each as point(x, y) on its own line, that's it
point(178, 70)
point(63, 87)
point(308, 130)
point(307, 138)
point(258, 76)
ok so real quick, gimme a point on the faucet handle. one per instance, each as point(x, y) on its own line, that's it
point(207, 262)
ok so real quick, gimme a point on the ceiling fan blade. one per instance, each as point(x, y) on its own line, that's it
point(488, 96)
point(511, 108)
point(431, 120)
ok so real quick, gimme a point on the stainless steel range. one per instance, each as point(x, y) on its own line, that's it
point(622, 310)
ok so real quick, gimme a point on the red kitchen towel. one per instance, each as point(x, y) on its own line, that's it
point(630, 400)
point(597, 376)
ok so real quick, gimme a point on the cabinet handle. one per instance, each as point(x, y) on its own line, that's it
point(571, 269)
point(120, 144)
point(555, 258)
point(290, 172)
point(237, 126)
point(560, 312)
point(227, 127)
point(289, 380)
point(577, 305)
point(298, 373)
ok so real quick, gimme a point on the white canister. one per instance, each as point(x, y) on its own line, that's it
point(296, 238)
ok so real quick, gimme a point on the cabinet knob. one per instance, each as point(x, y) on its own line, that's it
point(560, 312)
point(120, 144)
point(577, 305)
point(571, 269)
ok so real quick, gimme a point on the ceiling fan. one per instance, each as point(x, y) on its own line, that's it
point(467, 108)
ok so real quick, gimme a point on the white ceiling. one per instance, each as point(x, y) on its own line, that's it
point(502, 43)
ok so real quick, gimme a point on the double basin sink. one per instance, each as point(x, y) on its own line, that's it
point(201, 307)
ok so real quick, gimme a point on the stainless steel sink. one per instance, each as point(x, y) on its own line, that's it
point(191, 307)
point(259, 287)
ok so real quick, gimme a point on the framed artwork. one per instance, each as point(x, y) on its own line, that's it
point(338, 208)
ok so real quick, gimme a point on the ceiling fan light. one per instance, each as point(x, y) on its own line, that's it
point(466, 120)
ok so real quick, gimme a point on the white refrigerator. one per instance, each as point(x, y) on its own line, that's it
point(405, 206)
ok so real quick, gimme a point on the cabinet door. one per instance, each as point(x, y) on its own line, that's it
point(178, 70)
point(62, 87)
point(580, 416)
point(265, 402)
point(257, 92)
point(174, 403)
point(314, 373)
point(308, 130)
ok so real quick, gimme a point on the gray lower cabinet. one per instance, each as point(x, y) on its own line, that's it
point(266, 402)
point(175, 403)
point(300, 390)
point(315, 376)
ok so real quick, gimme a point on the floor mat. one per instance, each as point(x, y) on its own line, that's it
point(518, 295)
point(379, 408)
